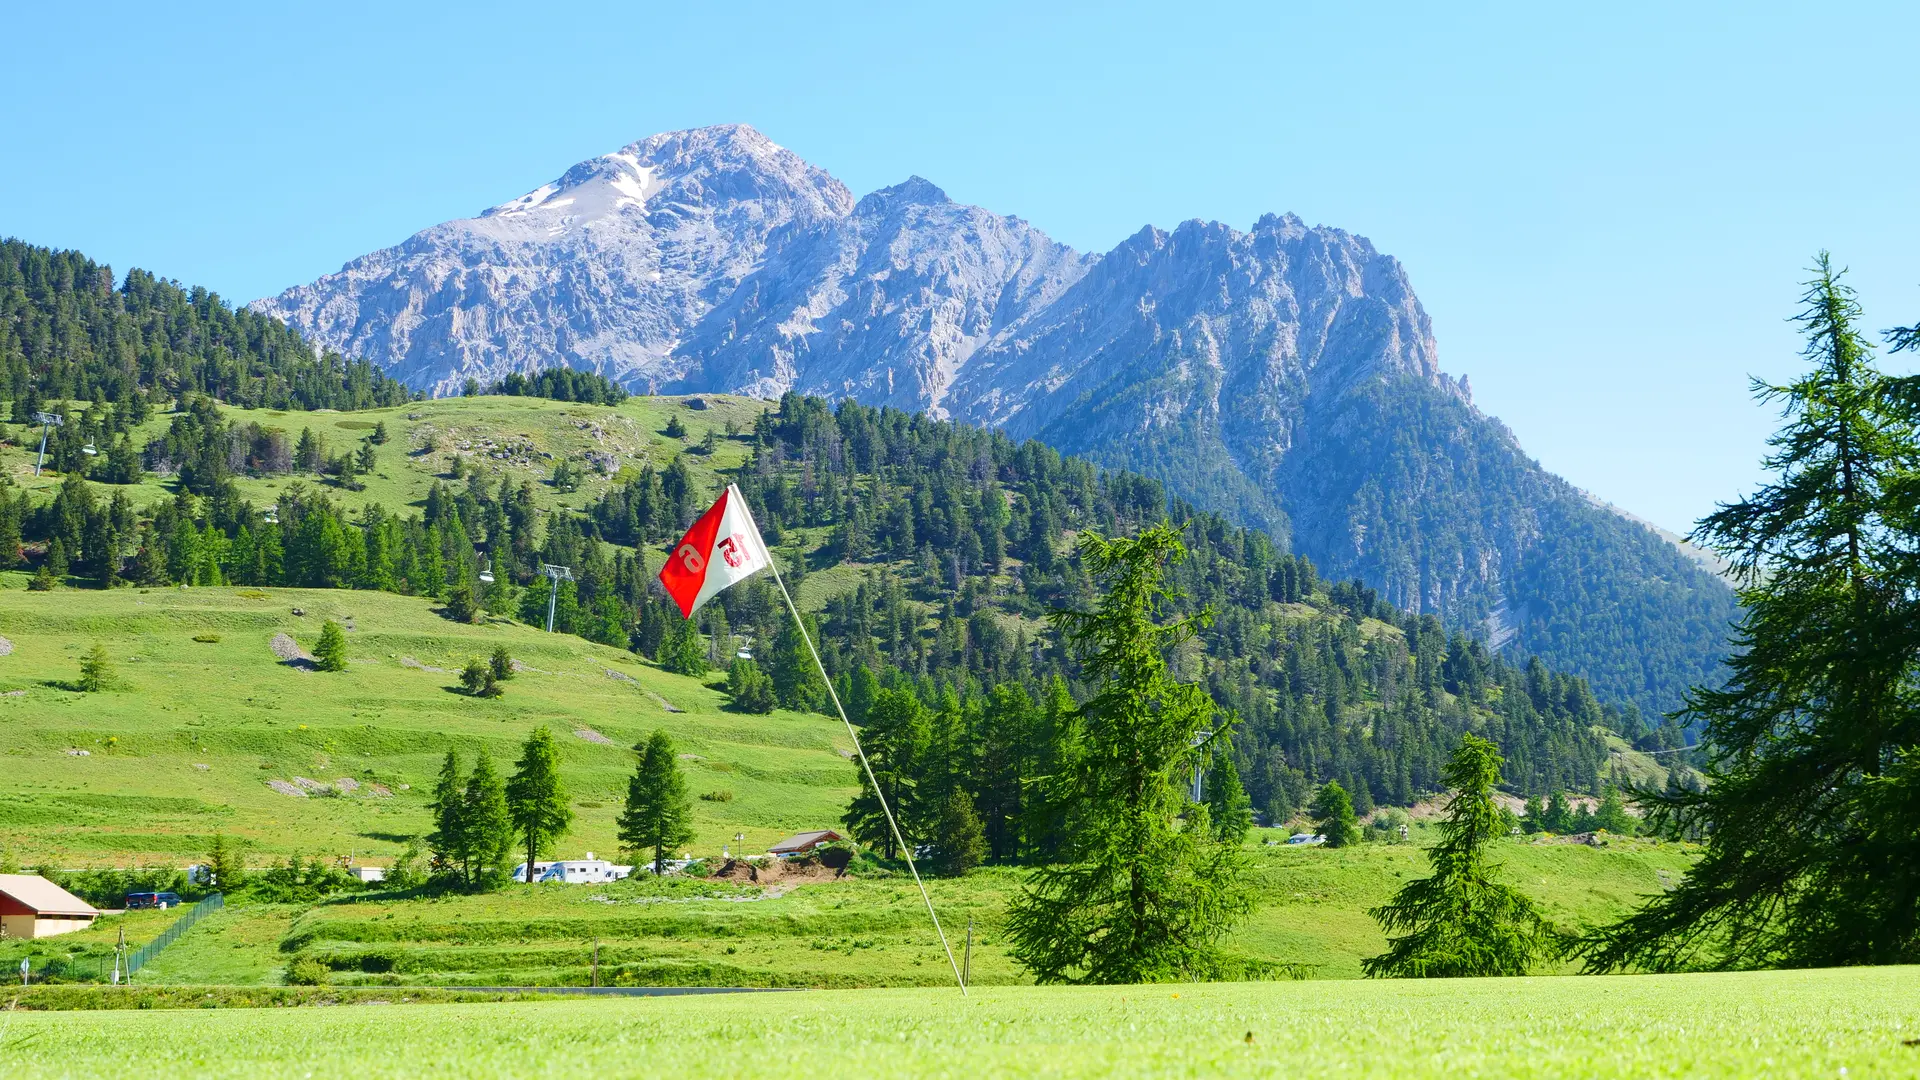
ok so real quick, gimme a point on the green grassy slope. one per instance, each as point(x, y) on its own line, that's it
point(1855, 1022)
point(188, 743)
point(512, 437)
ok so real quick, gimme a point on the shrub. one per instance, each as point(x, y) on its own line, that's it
point(501, 663)
point(479, 679)
point(306, 971)
point(207, 639)
point(718, 796)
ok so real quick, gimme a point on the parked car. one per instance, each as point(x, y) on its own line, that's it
point(161, 900)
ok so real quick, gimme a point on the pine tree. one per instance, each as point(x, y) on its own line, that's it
point(681, 652)
point(750, 688)
point(448, 840)
point(96, 670)
point(331, 653)
point(536, 801)
point(1333, 816)
point(478, 679)
point(1136, 897)
point(658, 816)
point(1460, 922)
point(489, 825)
point(796, 681)
point(225, 871)
point(894, 740)
point(1228, 807)
point(1612, 815)
point(958, 841)
point(1814, 739)
point(501, 663)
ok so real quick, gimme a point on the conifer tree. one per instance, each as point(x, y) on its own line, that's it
point(224, 868)
point(658, 816)
point(331, 653)
point(958, 840)
point(1138, 895)
point(477, 678)
point(750, 688)
point(489, 826)
point(1814, 739)
point(1228, 807)
point(1460, 922)
point(501, 663)
point(894, 739)
point(1333, 815)
point(536, 801)
point(448, 840)
point(96, 670)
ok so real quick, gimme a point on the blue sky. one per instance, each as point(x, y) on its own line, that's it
point(1606, 209)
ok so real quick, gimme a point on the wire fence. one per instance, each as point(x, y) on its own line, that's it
point(138, 958)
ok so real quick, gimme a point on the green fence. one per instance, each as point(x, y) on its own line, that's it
point(138, 958)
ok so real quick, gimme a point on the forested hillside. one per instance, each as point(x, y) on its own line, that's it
point(68, 333)
point(931, 551)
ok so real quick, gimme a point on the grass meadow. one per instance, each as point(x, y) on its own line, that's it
point(1839, 1023)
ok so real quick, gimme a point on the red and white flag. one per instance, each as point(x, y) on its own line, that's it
point(722, 548)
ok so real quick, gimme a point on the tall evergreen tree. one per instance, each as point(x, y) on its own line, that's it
point(536, 801)
point(658, 816)
point(488, 824)
point(1228, 807)
point(448, 839)
point(1814, 741)
point(1137, 896)
point(894, 738)
point(1459, 921)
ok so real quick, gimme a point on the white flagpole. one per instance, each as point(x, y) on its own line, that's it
point(801, 626)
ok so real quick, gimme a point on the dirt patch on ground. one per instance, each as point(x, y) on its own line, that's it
point(593, 736)
point(663, 702)
point(346, 785)
point(6, 647)
point(408, 661)
point(786, 872)
point(521, 669)
point(14, 693)
point(620, 676)
point(290, 652)
point(285, 788)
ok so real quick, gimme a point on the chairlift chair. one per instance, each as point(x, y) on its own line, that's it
point(90, 450)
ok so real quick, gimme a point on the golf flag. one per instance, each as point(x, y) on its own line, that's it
point(723, 547)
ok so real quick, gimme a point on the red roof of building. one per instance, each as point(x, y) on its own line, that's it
point(33, 893)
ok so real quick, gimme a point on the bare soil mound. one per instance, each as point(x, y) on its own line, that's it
point(776, 871)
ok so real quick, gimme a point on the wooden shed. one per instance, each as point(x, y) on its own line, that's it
point(33, 907)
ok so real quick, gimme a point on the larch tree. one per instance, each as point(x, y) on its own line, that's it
point(536, 800)
point(658, 816)
point(1808, 813)
point(1142, 891)
point(1459, 921)
point(331, 653)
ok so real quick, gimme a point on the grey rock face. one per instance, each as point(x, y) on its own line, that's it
point(607, 268)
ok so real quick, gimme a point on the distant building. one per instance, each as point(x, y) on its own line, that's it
point(801, 843)
point(368, 874)
point(1306, 838)
point(574, 871)
point(33, 907)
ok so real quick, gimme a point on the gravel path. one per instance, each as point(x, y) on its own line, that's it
point(288, 649)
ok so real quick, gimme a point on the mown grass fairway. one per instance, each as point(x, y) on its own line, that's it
point(1843, 1023)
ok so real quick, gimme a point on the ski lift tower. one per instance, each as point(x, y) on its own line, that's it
point(1198, 793)
point(47, 421)
point(557, 574)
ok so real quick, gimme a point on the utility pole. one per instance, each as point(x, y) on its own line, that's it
point(47, 421)
point(596, 961)
point(556, 574)
point(1199, 790)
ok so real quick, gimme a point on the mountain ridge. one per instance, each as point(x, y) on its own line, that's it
point(1285, 374)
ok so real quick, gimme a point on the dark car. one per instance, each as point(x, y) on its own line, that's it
point(152, 900)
